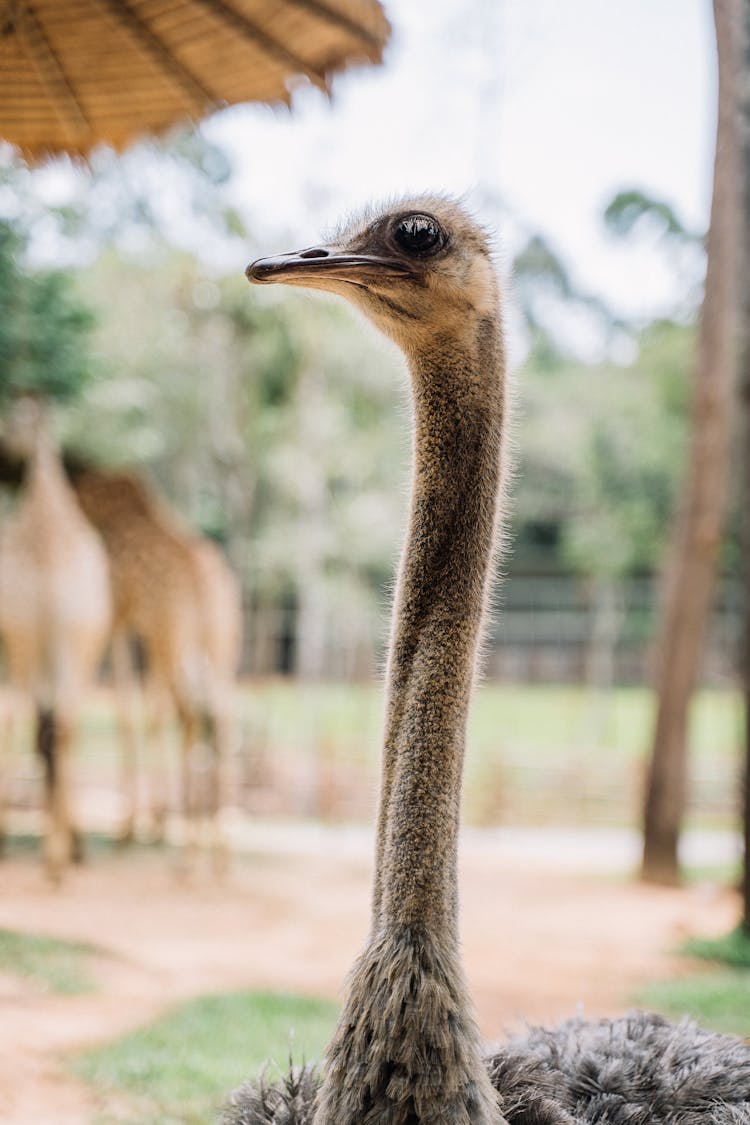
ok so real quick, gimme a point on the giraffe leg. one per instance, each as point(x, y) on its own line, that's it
point(219, 781)
point(72, 844)
point(77, 846)
point(158, 756)
point(189, 733)
point(46, 740)
point(7, 739)
point(53, 743)
point(14, 717)
point(126, 696)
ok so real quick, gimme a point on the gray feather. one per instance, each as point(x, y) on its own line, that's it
point(637, 1070)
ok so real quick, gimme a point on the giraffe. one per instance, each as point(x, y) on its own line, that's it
point(55, 607)
point(173, 591)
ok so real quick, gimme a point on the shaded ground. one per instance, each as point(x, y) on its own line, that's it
point(537, 942)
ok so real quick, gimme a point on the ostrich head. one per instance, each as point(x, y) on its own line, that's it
point(419, 269)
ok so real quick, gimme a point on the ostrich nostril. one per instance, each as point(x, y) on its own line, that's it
point(315, 252)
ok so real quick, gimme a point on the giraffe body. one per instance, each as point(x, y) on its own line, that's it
point(174, 591)
point(55, 611)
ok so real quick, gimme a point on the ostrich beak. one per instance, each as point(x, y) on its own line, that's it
point(323, 263)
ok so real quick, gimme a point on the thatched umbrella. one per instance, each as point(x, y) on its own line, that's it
point(74, 73)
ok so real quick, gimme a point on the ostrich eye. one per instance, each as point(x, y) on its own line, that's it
point(419, 234)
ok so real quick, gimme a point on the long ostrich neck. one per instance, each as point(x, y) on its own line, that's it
point(458, 393)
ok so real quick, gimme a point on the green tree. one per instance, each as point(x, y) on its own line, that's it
point(268, 421)
point(600, 452)
point(170, 190)
point(633, 207)
point(44, 329)
point(545, 293)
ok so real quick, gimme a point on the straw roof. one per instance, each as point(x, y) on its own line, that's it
point(77, 72)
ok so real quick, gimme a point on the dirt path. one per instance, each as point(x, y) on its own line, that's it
point(536, 945)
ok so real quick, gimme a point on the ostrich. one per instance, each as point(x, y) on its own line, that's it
point(406, 1050)
point(54, 617)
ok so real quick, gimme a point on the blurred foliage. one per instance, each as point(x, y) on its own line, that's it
point(547, 296)
point(600, 498)
point(44, 329)
point(630, 208)
point(270, 421)
point(601, 452)
point(172, 188)
point(276, 424)
point(637, 216)
point(216, 386)
point(730, 949)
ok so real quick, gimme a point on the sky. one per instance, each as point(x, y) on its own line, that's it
point(549, 107)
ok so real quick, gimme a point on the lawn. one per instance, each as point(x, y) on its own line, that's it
point(536, 755)
point(538, 722)
point(731, 949)
point(719, 999)
point(48, 963)
point(181, 1068)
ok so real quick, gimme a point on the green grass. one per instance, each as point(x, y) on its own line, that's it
point(719, 999)
point(50, 963)
point(536, 754)
point(716, 874)
point(179, 1070)
point(731, 949)
point(540, 754)
point(540, 721)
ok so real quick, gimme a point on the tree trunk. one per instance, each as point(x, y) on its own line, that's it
point(744, 304)
point(690, 585)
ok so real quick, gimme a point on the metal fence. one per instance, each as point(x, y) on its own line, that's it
point(570, 630)
point(541, 629)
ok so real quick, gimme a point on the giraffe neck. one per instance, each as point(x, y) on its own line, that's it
point(47, 487)
point(458, 396)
